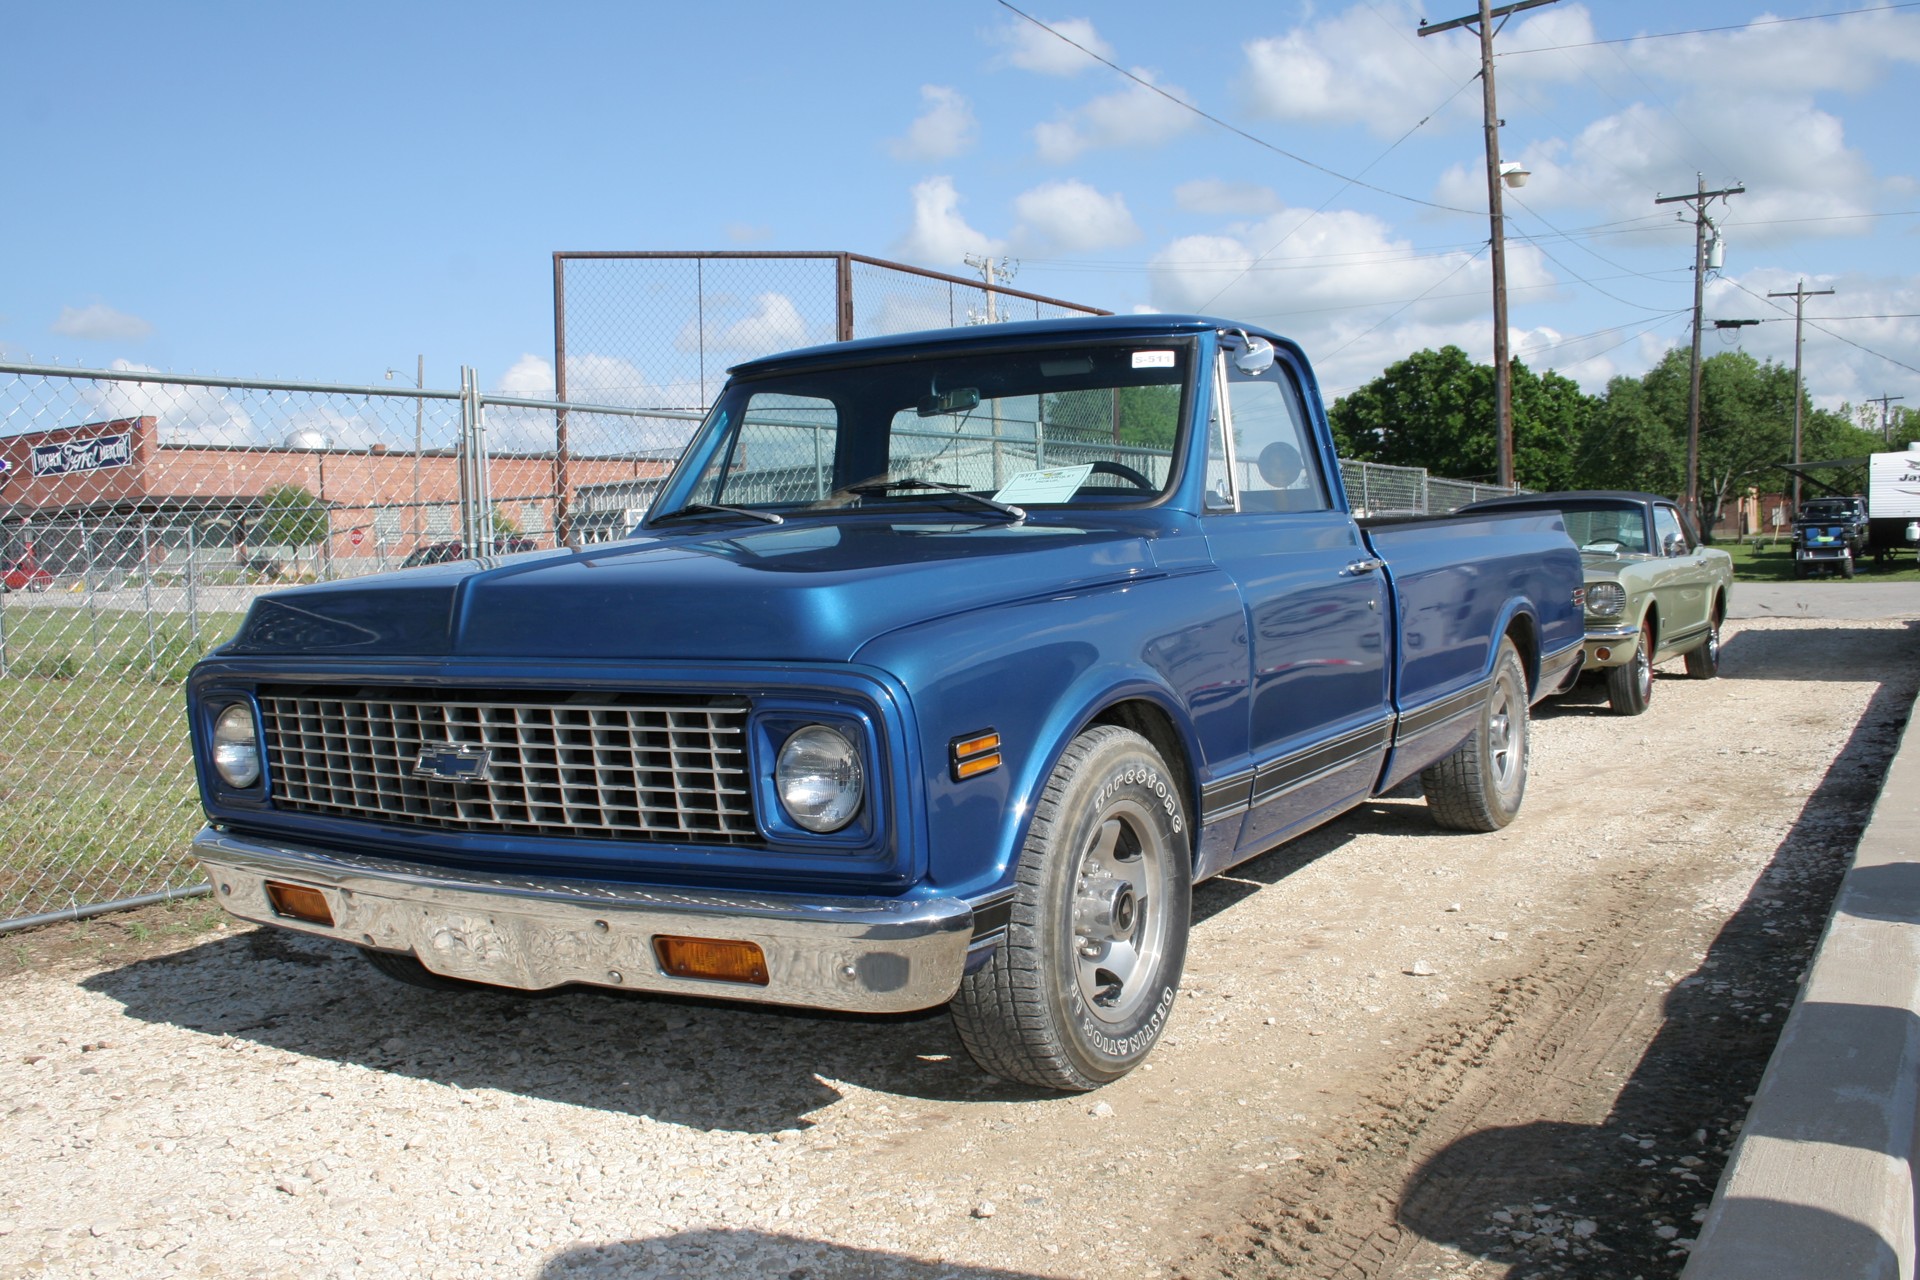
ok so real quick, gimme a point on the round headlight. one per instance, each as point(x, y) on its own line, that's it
point(236, 751)
point(1606, 599)
point(819, 778)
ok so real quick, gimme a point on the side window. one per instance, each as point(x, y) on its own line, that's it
point(1666, 525)
point(1274, 461)
point(781, 451)
point(1219, 466)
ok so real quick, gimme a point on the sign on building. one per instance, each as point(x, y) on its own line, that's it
point(66, 457)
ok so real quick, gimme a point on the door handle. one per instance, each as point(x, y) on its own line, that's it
point(1359, 567)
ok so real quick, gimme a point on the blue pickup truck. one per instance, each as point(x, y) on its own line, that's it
point(942, 668)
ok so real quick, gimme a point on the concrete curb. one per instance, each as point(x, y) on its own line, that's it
point(1820, 1185)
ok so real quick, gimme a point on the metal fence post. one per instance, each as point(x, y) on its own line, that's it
point(193, 579)
point(146, 596)
point(93, 610)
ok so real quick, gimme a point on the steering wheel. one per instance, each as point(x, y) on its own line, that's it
point(1125, 472)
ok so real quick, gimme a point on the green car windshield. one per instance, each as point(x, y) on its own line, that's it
point(1086, 424)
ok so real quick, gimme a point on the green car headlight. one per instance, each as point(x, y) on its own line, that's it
point(1606, 599)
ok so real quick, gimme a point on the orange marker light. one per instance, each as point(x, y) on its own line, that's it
point(974, 754)
point(714, 958)
point(299, 902)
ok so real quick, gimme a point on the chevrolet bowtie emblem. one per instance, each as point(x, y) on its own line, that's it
point(453, 764)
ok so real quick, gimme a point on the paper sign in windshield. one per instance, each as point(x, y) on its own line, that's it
point(1054, 484)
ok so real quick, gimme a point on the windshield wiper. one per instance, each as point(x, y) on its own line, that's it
point(1008, 510)
point(714, 509)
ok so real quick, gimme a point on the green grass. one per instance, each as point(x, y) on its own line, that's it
point(97, 799)
point(1768, 561)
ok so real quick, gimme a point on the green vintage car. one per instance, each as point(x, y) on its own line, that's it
point(1653, 592)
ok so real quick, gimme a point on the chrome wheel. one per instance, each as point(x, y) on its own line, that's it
point(1119, 928)
point(1503, 748)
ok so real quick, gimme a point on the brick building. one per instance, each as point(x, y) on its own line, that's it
point(115, 492)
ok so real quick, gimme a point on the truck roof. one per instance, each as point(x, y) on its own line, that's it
point(1150, 326)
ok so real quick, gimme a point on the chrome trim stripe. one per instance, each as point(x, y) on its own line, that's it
point(868, 955)
point(1444, 709)
point(1226, 797)
point(1554, 664)
point(1611, 635)
point(1303, 767)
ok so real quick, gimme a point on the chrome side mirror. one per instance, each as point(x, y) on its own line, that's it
point(1674, 545)
point(1258, 356)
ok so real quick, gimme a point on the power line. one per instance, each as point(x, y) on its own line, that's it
point(1234, 128)
point(1701, 31)
point(1878, 355)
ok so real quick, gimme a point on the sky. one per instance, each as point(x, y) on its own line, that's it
point(324, 192)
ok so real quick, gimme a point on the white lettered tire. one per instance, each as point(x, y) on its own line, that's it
point(1082, 987)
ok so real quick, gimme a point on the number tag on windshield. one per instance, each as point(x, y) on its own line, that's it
point(1055, 484)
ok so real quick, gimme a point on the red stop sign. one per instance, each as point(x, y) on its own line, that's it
point(357, 536)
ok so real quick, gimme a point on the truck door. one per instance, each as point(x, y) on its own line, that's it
point(1319, 716)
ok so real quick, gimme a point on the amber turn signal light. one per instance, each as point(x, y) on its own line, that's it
point(299, 902)
point(712, 958)
point(974, 754)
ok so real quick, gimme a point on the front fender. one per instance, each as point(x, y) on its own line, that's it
point(1037, 673)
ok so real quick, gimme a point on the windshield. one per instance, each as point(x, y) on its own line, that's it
point(1090, 423)
point(1611, 531)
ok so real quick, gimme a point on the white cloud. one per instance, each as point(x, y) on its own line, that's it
point(1072, 216)
point(591, 379)
point(1369, 66)
point(1791, 156)
point(774, 324)
point(1364, 65)
point(182, 414)
point(1032, 49)
point(99, 322)
point(1232, 199)
point(1356, 296)
point(1135, 116)
point(748, 233)
point(940, 237)
point(1786, 57)
point(528, 378)
point(945, 128)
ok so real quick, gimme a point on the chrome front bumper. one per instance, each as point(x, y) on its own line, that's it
point(867, 955)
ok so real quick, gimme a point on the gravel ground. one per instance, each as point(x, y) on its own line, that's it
point(1400, 1052)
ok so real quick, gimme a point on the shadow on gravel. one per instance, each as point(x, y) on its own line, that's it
point(1653, 1162)
point(729, 1254)
point(1782, 655)
point(709, 1065)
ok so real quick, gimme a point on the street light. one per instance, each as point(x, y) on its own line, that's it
point(419, 413)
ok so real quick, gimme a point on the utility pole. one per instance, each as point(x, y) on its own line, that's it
point(1497, 256)
point(1886, 421)
point(1799, 296)
point(1001, 272)
point(1699, 201)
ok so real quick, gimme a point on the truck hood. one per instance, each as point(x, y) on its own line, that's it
point(813, 591)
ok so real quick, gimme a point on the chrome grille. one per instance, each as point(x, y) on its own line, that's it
point(584, 766)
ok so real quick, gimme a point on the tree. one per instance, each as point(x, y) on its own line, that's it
point(289, 516)
point(1435, 410)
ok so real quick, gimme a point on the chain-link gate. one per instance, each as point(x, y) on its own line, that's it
point(140, 513)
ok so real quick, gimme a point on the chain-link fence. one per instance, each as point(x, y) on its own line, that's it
point(1374, 488)
point(140, 513)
